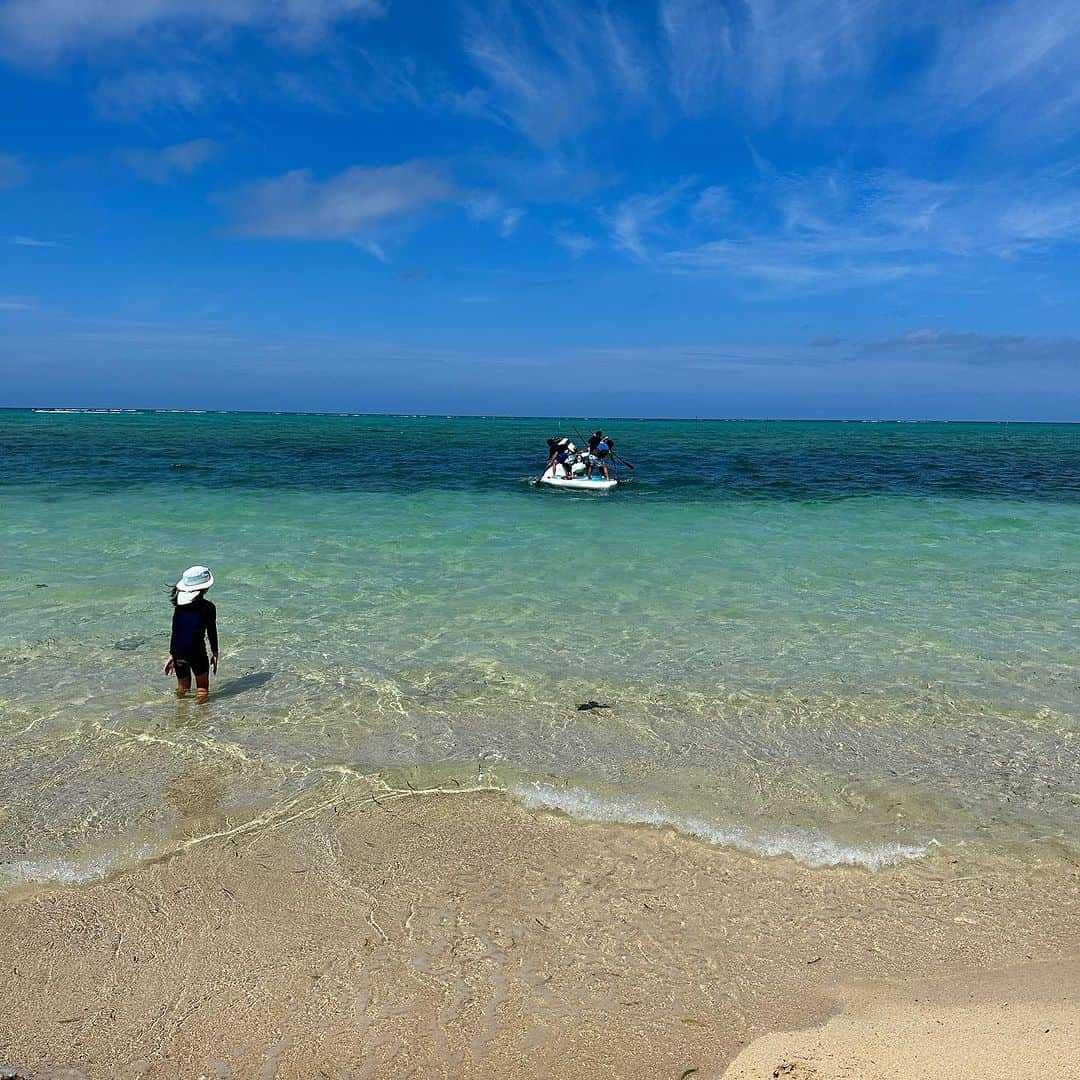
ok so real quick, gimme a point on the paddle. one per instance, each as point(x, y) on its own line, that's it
point(551, 461)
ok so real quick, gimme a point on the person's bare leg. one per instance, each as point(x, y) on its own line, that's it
point(202, 687)
point(183, 685)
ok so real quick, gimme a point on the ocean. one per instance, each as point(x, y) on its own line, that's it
point(844, 643)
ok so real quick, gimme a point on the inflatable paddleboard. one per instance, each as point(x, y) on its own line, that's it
point(554, 477)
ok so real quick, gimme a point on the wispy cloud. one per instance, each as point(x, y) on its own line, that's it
point(833, 228)
point(137, 93)
point(552, 67)
point(636, 217)
point(812, 56)
point(764, 54)
point(576, 243)
point(712, 205)
point(1014, 63)
point(343, 207)
point(45, 30)
point(698, 42)
point(508, 223)
point(786, 265)
point(15, 303)
point(165, 164)
point(13, 171)
point(30, 241)
point(487, 206)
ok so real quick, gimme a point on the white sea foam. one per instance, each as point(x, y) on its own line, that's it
point(806, 846)
point(64, 870)
point(61, 871)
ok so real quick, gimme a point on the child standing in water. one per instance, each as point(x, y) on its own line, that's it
point(194, 621)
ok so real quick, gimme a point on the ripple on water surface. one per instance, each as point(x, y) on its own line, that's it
point(810, 635)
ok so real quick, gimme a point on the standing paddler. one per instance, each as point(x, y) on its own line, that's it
point(601, 446)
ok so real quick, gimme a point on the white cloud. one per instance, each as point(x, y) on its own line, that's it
point(489, 207)
point(13, 171)
point(509, 221)
point(343, 207)
point(46, 30)
point(712, 205)
point(835, 229)
point(136, 93)
point(1019, 58)
point(1011, 65)
point(806, 48)
point(783, 264)
point(30, 241)
point(373, 248)
point(15, 303)
point(554, 69)
point(764, 54)
point(577, 244)
point(474, 102)
point(549, 66)
point(698, 41)
point(830, 230)
point(639, 215)
point(161, 166)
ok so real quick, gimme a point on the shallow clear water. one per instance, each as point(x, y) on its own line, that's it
point(839, 641)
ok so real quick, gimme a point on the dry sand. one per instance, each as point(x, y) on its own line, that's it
point(1019, 1024)
point(465, 936)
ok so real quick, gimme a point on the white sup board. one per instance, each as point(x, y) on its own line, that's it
point(554, 478)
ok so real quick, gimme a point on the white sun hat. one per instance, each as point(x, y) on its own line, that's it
point(196, 579)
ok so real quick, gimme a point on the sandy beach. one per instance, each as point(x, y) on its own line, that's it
point(462, 935)
point(1017, 1022)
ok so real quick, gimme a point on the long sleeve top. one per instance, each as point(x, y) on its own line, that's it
point(191, 624)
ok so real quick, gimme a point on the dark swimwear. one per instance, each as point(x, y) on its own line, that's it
point(192, 624)
point(200, 665)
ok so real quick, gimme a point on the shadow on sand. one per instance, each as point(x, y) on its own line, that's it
point(251, 681)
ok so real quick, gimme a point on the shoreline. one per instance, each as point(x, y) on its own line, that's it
point(471, 936)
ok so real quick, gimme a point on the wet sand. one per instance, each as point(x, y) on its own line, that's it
point(465, 936)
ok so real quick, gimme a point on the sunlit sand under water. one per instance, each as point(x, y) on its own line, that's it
point(869, 662)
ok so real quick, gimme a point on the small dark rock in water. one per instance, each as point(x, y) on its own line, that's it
point(129, 644)
point(586, 705)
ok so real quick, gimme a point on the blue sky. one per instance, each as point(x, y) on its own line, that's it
point(681, 207)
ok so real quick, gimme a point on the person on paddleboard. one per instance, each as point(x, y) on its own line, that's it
point(194, 622)
point(561, 452)
point(600, 448)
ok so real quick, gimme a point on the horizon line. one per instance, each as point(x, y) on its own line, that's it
point(119, 409)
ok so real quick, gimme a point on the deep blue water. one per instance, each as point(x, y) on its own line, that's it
point(674, 459)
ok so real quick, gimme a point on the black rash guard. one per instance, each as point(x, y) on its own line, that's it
point(191, 623)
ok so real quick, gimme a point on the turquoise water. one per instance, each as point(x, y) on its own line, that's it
point(846, 642)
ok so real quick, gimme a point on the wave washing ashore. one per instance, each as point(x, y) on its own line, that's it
point(840, 661)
